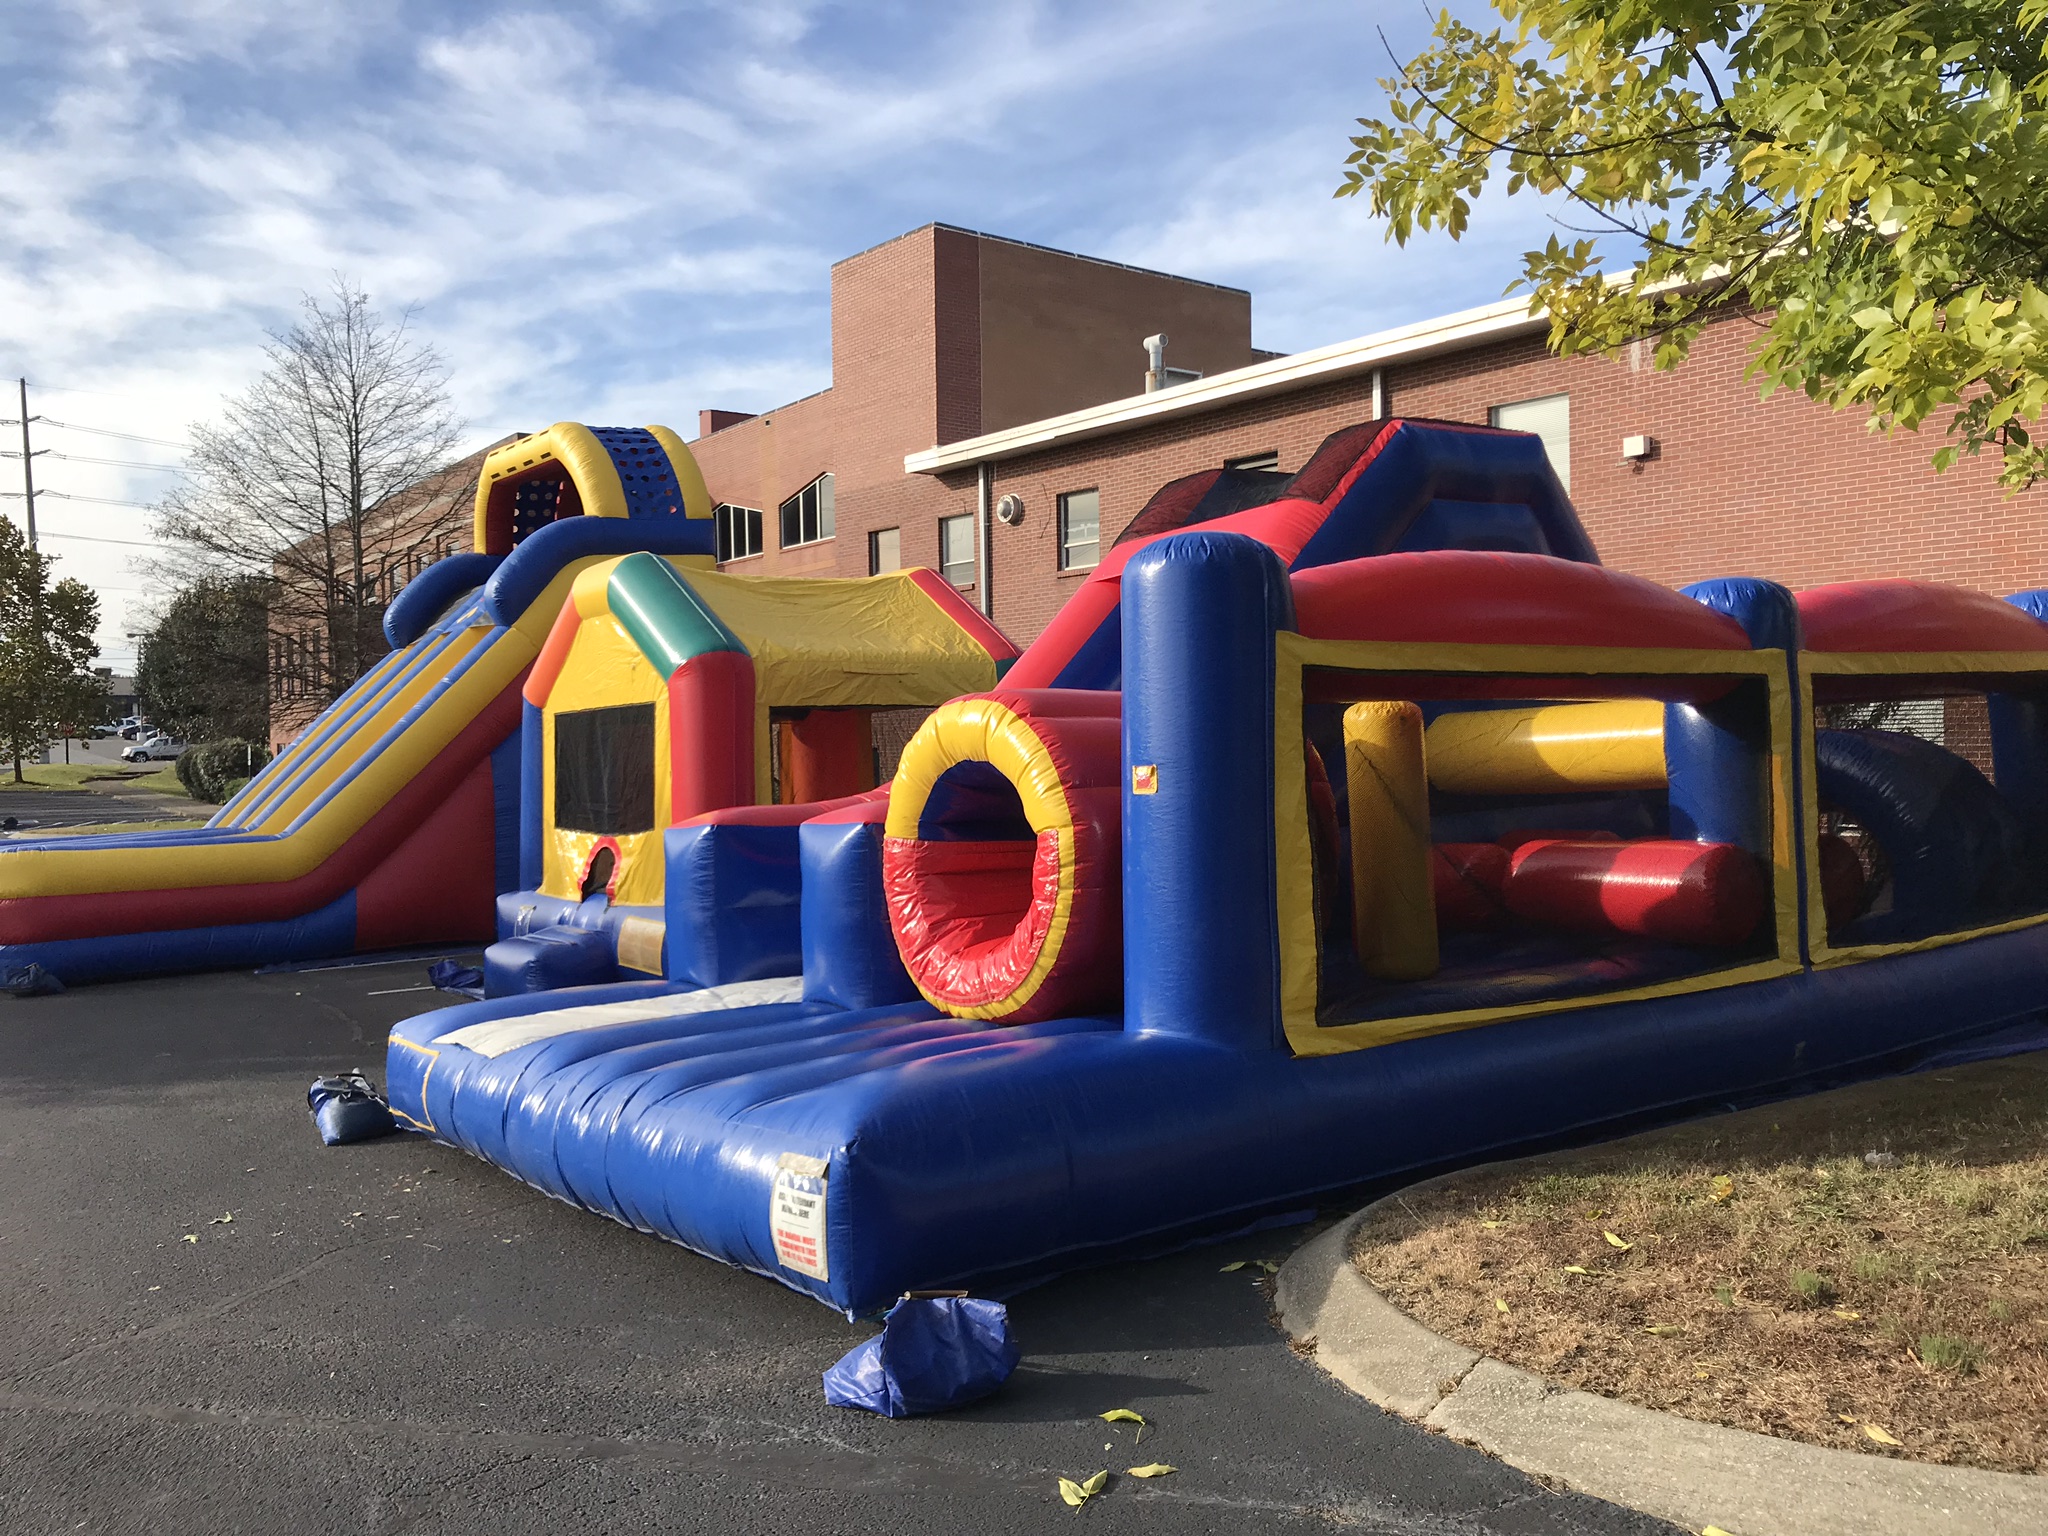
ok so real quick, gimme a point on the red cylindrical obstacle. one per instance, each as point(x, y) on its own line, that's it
point(1470, 881)
point(1681, 892)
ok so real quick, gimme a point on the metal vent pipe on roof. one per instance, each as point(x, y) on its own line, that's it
point(1155, 363)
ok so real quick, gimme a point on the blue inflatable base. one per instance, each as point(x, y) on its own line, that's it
point(947, 1153)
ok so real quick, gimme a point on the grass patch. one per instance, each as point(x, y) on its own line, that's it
point(1874, 1259)
point(70, 775)
point(162, 780)
point(1946, 1352)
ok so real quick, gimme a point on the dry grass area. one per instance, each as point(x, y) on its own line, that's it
point(1866, 1269)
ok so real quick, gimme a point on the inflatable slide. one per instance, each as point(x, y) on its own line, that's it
point(394, 819)
point(1344, 827)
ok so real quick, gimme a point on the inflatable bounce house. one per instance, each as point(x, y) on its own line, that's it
point(1342, 827)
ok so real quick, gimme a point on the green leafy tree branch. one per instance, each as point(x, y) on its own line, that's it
point(1869, 180)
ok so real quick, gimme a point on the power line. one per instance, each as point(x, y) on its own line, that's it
point(79, 458)
point(101, 501)
point(93, 538)
point(72, 426)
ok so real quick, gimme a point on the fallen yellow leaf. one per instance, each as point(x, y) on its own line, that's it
point(1664, 1330)
point(1848, 1316)
point(1846, 1418)
point(1072, 1492)
point(1878, 1435)
point(222, 1220)
point(1712, 1530)
point(1499, 1304)
point(1490, 1226)
point(1724, 1186)
point(189, 1237)
point(1577, 1269)
point(1121, 1416)
point(1094, 1484)
point(1231, 1269)
point(1152, 1469)
point(1615, 1242)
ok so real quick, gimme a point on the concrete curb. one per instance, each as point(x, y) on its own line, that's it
point(1690, 1473)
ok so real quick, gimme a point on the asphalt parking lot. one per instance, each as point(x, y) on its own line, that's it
point(209, 1322)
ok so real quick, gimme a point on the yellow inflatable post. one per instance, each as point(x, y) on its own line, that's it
point(1393, 895)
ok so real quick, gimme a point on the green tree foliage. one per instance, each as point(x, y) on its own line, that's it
point(1870, 178)
point(47, 685)
point(202, 667)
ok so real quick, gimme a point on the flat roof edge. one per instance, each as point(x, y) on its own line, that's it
point(1426, 338)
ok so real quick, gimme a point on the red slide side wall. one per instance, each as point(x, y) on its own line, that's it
point(36, 919)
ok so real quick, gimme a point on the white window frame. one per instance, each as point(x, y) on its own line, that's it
point(962, 522)
point(752, 530)
point(875, 566)
point(1556, 431)
point(1068, 545)
point(812, 509)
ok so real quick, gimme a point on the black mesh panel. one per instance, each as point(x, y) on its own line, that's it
point(604, 769)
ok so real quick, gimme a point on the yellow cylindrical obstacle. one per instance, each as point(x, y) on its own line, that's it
point(1549, 748)
point(1393, 899)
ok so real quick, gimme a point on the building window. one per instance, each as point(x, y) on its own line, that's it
point(1550, 418)
point(1080, 530)
point(807, 516)
point(956, 549)
point(739, 531)
point(885, 551)
point(1261, 461)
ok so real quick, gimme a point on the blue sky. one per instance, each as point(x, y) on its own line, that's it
point(622, 211)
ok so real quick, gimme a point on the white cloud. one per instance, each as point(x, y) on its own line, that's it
point(626, 210)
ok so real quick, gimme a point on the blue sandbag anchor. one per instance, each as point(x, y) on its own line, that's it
point(30, 980)
point(454, 976)
point(937, 1350)
point(347, 1108)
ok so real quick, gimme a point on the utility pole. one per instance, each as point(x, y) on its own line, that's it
point(28, 471)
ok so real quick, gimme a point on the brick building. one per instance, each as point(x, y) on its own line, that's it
point(938, 336)
point(968, 370)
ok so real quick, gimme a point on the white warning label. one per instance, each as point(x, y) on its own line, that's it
point(796, 1214)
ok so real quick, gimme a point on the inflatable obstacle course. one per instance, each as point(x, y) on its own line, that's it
point(1341, 827)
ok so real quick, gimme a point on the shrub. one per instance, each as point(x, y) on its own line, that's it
point(1944, 1351)
point(1811, 1287)
point(213, 770)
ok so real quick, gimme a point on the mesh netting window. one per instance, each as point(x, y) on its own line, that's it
point(604, 769)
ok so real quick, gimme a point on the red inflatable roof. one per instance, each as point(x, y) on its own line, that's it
point(1486, 597)
point(1906, 615)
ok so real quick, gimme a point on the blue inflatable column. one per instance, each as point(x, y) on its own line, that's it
point(1717, 755)
point(532, 781)
point(1201, 920)
point(2019, 745)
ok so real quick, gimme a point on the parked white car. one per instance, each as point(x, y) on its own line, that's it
point(151, 748)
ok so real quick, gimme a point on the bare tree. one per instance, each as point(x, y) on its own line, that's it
point(318, 477)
